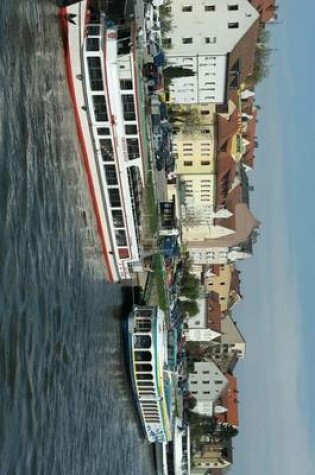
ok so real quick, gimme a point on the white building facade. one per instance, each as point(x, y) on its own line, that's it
point(206, 383)
point(203, 33)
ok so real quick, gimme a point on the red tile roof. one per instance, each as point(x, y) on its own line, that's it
point(235, 282)
point(226, 169)
point(233, 198)
point(214, 312)
point(227, 127)
point(243, 56)
point(266, 9)
point(229, 399)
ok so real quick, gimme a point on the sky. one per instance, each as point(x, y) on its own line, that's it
point(277, 386)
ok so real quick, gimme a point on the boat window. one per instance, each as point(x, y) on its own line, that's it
point(131, 129)
point(100, 110)
point(145, 376)
point(144, 367)
point(145, 383)
point(143, 355)
point(128, 106)
point(126, 84)
point(114, 197)
point(133, 148)
point(107, 150)
point(93, 30)
point(111, 175)
point(103, 131)
point(92, 44)
point(143, 325)
point(142, 341)
point(121, 238)
point(95, 73)
point(118, 218)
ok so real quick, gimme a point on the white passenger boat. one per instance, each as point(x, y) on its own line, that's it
point(146, 357)
point(103, 81)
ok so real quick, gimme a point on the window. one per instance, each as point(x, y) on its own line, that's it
point(107, 150)
point(188, 164)
point(210, 39)
point(143, 356)
point(118, 218)
point(103, 131)
point(205, 382)
point(232, 8)
point(167, 42)
point(187, 9)
point(93, 30)
point(205, 372)
point(222, 283)
point(205, 112)
point(187, 41)
point(133, 148)
point(142, 341)
point(131, 129)
point(125, 84)
point(205, 162)
point(114, 197)
point(193, 382)
point(121, 240)
point(128, 106)
point(218, 381)
point(95, 73)
point(205, 131)
point(110, 175)
point(233, 24)
point(100, 110)
point(206, 392)
point(209, 8)
point(92, 44)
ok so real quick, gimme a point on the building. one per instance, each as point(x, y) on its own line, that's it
point(206, 384)
point(195, 154)
point(229, 399)
point(230, 345)
point(211, 38)
point(212, 456)
point(266, 9)
point(224, 280)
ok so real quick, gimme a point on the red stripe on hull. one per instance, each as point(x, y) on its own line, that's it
point(64, 31)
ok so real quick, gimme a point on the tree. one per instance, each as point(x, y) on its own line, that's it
point(191, 307)
point(172, 72)
point(262, 58)
point(166, 17)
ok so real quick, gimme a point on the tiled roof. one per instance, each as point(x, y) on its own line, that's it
point(229, 399)
point(246, 223)
point(227, 127)
point(243, 55)
point(235, 282)
point(234, 197)
point(226, 169)
point(266, 9)
point(214, 312)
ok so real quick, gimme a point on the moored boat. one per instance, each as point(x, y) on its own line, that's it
point(103, 80)
point(146, 361)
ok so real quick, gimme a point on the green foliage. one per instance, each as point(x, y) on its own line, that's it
point(151, 205)
point(157, 267)
point(191, 307)
point(166, 17)
point(262, 58)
